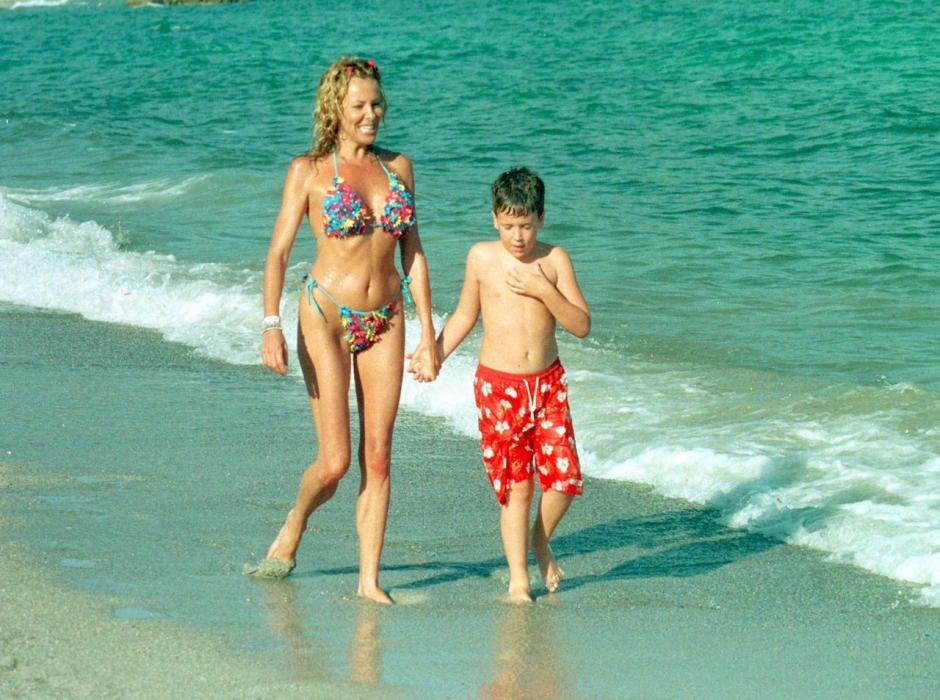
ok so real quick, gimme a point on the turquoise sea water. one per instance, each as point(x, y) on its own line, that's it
point(748, 193)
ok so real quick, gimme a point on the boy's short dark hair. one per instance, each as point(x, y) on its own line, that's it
point(519, 191)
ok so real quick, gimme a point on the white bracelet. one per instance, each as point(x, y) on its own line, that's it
point(270, 323)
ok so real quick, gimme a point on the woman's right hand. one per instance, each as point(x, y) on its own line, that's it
point(424, 362)
point(274, 350)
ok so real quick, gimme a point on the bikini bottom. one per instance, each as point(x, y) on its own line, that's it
point(361, 328)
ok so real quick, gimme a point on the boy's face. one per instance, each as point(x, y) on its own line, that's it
point(517, 232)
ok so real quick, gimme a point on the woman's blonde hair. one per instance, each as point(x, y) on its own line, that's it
point(328, 106)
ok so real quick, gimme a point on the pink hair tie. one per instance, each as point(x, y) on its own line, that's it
point(350, 70)
point(370, 63)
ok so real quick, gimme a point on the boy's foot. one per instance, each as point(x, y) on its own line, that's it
point(518, 594)
point(553, 575)
point(551, 572)
point(374, 593)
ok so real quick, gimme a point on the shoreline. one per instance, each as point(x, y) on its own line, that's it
point(661, 598)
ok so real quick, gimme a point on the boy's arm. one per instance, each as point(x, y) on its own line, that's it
point(563, 299)
point(465, 315)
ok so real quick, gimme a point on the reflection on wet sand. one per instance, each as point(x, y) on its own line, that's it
point(308, 658)
point(526, 658)
point(364, 646)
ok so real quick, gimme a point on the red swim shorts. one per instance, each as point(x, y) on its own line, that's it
point(524, 423)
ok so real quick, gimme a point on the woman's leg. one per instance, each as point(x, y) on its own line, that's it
point(325, 362)
point(378, 373)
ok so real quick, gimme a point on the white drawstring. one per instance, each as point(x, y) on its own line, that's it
point(533, 397)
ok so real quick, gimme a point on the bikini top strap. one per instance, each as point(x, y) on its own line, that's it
point(388, 173)
point(335, 164)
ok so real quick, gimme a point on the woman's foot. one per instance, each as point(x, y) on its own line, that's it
point(269, 567)
point(279, 561)
point(287, 541)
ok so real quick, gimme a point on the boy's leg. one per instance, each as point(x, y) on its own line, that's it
point(514, 528)
point(558, 469)
point(552, 507)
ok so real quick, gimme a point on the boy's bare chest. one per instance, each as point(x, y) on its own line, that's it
point(499, 298)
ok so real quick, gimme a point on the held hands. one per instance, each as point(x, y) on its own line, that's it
point(274, 350)
point(424, 362)
point(529, 280)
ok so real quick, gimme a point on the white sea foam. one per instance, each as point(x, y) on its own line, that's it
point(108, 193)
point(79, 267)
point(862, 487)
point(15, 4)
point(852, 471)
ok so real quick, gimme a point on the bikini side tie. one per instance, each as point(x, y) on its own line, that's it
point(312, 284)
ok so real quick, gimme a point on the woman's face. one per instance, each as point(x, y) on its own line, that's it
point(362, 111)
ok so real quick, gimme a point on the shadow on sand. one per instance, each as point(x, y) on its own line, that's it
point(680, 543)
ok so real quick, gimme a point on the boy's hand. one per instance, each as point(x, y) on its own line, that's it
point(529, 280)
point(415, 369)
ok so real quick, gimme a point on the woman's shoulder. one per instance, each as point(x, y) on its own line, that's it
point(390, 157)
point(308, 162)
point(307, 169)
point(396, 161)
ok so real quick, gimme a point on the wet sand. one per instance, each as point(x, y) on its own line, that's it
point(56, 642)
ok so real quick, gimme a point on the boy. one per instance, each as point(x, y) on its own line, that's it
point(522, 287)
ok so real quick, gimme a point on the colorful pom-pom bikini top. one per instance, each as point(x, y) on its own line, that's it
point(344, 215)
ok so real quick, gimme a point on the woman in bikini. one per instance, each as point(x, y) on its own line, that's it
point(359, 201)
